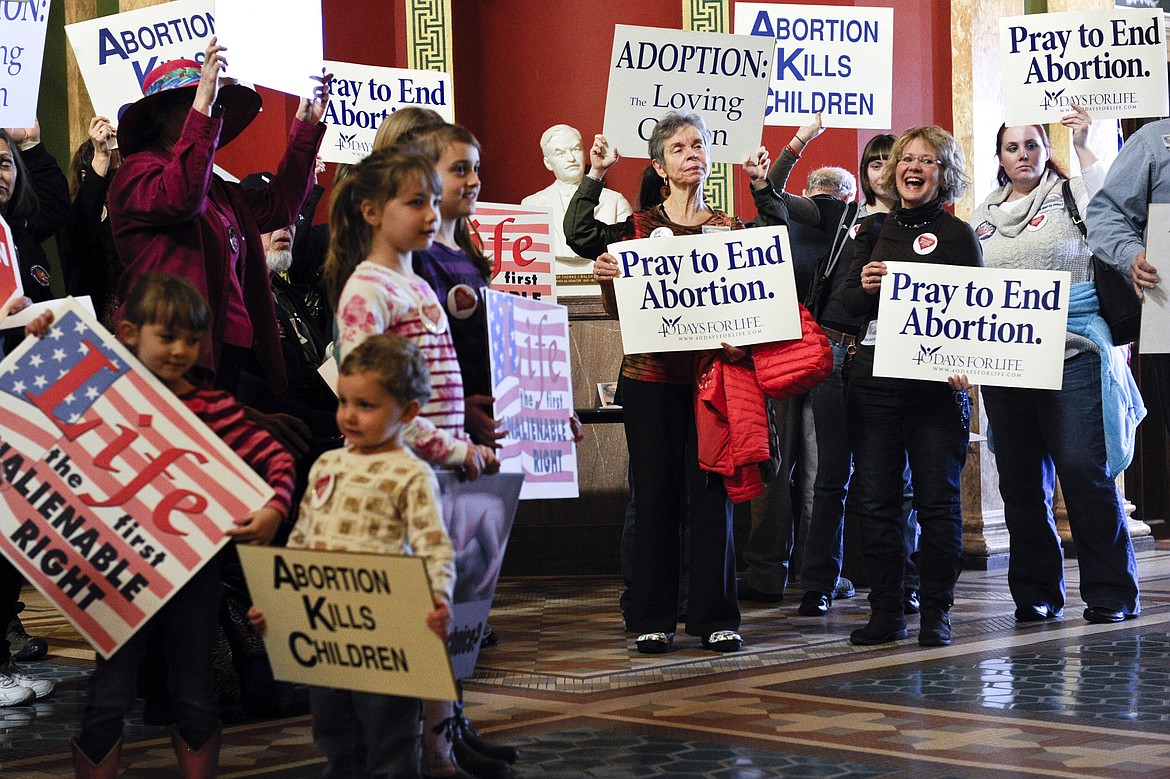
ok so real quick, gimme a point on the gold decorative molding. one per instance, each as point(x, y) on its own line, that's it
point(428, 35)
point(713, 16)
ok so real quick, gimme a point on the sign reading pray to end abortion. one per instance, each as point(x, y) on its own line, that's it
point(723, 78)
point(700, 291)
point(834, 60)
point(22, 49)
point(364, 95)
point(1113, 63)
point(1000, 327)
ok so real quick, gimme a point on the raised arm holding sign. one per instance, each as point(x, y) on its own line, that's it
point(1084, 431)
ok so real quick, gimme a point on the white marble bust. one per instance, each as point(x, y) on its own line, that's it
point(565, 157)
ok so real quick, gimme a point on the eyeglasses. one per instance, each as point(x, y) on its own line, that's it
point(926, 162)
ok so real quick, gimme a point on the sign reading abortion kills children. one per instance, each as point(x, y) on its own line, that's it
point(723, 78)
point(529, 346)
point(834, 60)
point(275, 43)
point(115, 493)
point(1000, 327)
point(1111, 62)
point(478, 516)
point(700, 291)
point(350, 621)
point(114, 53)
point(517, 240)
point(22, 49)
point(364, 95)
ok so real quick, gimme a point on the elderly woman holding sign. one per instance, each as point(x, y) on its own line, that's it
point(1080, 432)
point(658, 392)
point(892, 421)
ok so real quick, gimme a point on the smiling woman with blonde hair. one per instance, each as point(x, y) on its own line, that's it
point(892, 421)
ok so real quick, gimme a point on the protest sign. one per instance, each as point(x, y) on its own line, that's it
point(1000, 327)
point(114, 53)
point(364, 95)
point(11, 286)
point(29, 313)
point(22, 50)
point(834, 60)
point(274, 43)
point(478, 516)
point(116, 493)
point(700, 291)
point(1113, 63)
point(723, 78)
point(516, 240)
point(349, 621)
point(1155, 332)
point(529, 346)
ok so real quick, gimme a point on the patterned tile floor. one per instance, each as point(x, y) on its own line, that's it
point(1061, 699)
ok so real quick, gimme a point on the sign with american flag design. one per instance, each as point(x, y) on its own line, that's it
point(518, 241)
point(116, 493)
point(534, 395)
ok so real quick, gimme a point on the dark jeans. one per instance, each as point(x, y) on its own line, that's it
point(773, 533)
point(366, 735)
point(11, 580)
point(1038, 435)
point(926, 423)
point(823, 546)
point(660, 436)
point(189, 623)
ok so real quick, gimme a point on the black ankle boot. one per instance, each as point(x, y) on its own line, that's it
point(488, 749)
point(935, 627)
point(479, 766)
point(882, 628)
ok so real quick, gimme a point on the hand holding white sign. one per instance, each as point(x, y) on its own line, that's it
point(275, 43)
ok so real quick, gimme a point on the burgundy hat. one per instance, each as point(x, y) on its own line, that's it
point(239, 103)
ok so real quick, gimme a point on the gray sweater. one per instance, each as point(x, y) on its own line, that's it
point(1038, 234)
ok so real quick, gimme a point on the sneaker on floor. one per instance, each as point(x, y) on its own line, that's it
point(38, 687)
point(654, 643)
point(23, 646)
point(723, 641)
point(13, 693)
point(843, 589)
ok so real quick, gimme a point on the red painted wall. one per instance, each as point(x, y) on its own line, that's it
point(522, 65)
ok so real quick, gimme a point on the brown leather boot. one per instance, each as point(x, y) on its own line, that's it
point(84, 768)
point(197, 764)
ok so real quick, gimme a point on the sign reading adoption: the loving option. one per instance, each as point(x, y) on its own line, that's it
point(700, 291)
point(114, 53)
point(364, 95)
point(723, 78)
point(22, 50)
point(999, 327)
point(350, 621)
point(834, 60)
point(114, 492)
point(1111, 62)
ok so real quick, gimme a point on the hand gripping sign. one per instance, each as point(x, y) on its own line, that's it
point(115, 493)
